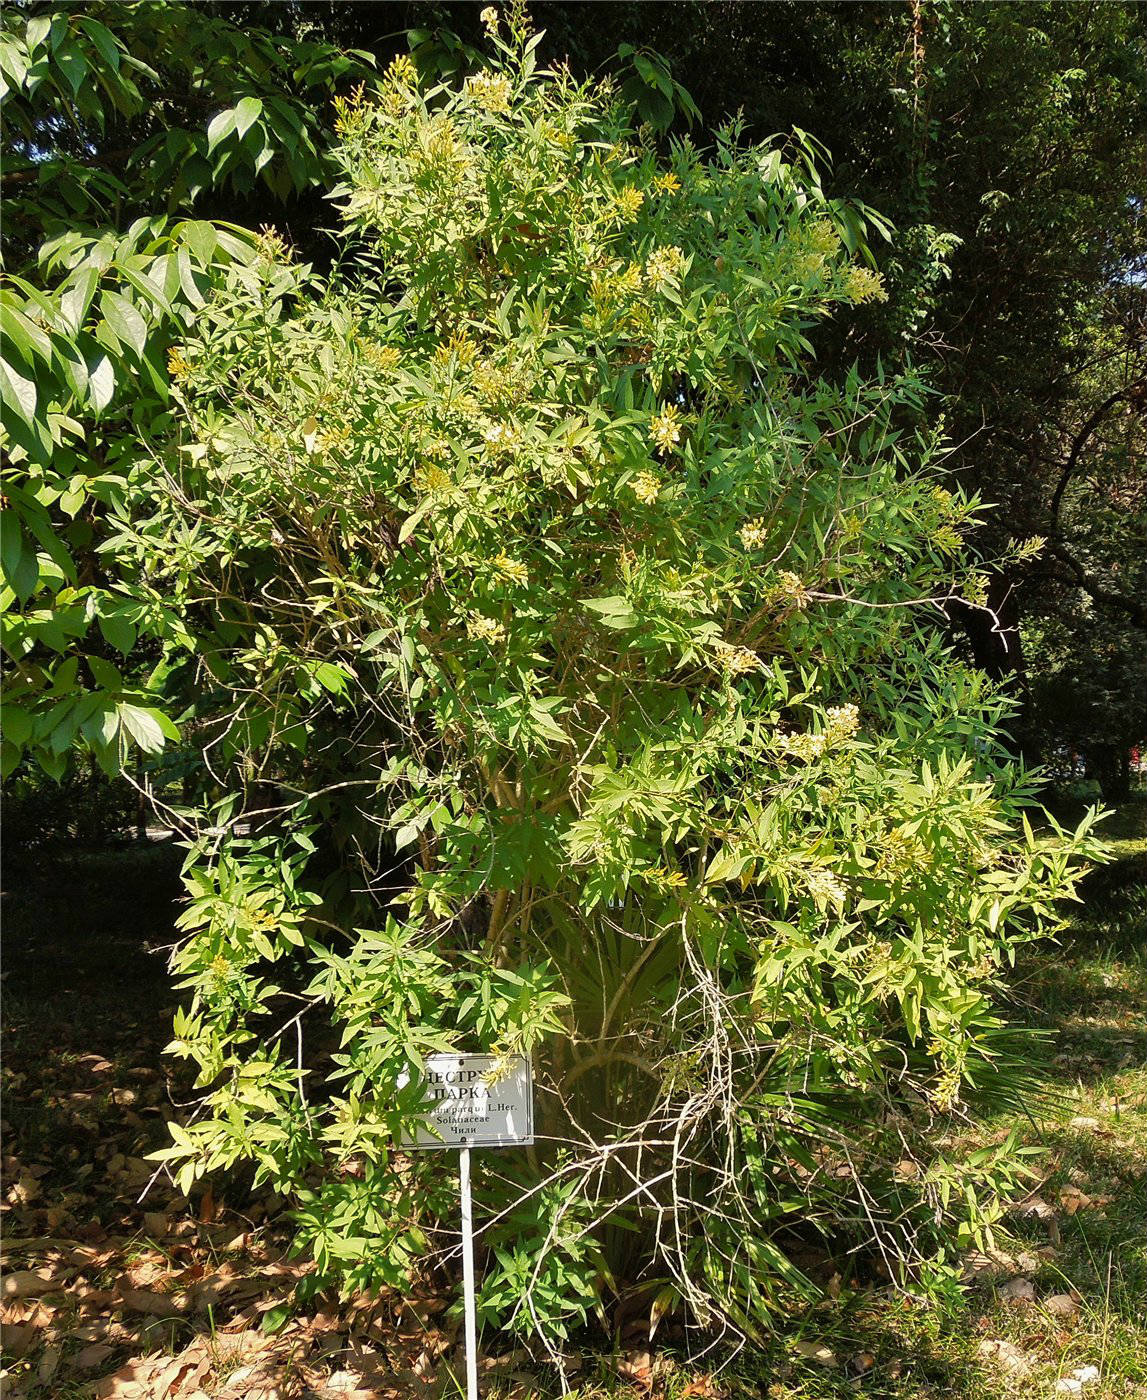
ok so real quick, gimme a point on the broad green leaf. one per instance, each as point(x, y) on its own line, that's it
point(125, 321)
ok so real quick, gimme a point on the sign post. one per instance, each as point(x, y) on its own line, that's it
point(475, 1101)
point(468, 1274)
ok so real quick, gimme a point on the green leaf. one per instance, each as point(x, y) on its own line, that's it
point(615, 612)
point(219, 128)
point(101, 382)
point(247, 112)
point(276, 1318)
point(103, 39)
point(76, 296)
point(125, 321)
point(118, 631)
point(145, 727)
point(201, 237)
point(17, 391)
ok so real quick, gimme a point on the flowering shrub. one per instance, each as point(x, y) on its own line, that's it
point(566, 652)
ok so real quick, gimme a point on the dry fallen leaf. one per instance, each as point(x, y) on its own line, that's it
point(1006, 1355)
point(1062, 1306)
point(1071, 1198)
point(862, 1363)
point(1018, 1290)
point(19, 1338)
point(701, 1387)
point(637, 1366)
point(29, 1283)
point(92, 1356)
point(144, 1301)
point(49, 1364)
point(815, 1351)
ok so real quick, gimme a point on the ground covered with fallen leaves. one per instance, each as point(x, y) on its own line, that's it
point(108, 1296)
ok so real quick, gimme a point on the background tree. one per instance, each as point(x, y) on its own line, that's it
point(119, 120)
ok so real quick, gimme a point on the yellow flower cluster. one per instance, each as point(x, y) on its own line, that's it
point(440, 144)
point(384, 357)
point(395, 102)
point(666, 879)
point(665, 428)
point(1031, 548)
point(821, 238)
point(459, 347)
point(945, 1092)
point(842, 722)
point(901, 854)
point(333, 438)
point(790, 586)
point(753, 533)
point(489, 18)
point(737, 661)
point(272, 246)
point(667, 184)
point(499, 437)
point(512, 570)
point(399, 84)
point(432, 480)
point(627, 203)
point(480, 628)
point(351, 112)
point(646, 486)
point(490, 90)
point(628, 282)
point(946, 539)
point(607, 289)
point(664, 266)
point(178, 365)
point(804, 746)
point(804, 266)
point(974, 590)
point(824, 886)
point(862, 284)
point(401, 72)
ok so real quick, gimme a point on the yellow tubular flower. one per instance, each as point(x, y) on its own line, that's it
point(646, 487)
point(512, 570)
point(663, 266)
point(384, 357)
point(402, 72)
point(863, 284)
point(792, 588)
point(627, 203)
point(753, 534)
point(490, 90)
point(665, 428)
point(480, 628)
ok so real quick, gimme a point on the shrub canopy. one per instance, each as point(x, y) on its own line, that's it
point(564, 652)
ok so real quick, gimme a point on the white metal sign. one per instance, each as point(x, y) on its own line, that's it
point(477, 1101)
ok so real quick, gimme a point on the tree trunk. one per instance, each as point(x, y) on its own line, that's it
point(1110, 765)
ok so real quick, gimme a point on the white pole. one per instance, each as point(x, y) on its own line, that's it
point(468, 1275)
